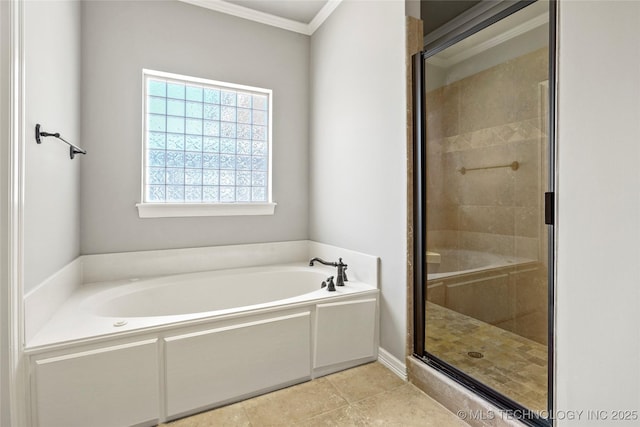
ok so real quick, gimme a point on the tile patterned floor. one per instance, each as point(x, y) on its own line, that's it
point(513, 365)
point(368, 395)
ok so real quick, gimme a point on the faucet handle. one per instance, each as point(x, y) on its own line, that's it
point(344, 274)
point(331, 287)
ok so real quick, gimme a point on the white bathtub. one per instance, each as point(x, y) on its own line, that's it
point(207, 292)
point(156, 349)
point(454, 262)
point(94, 309)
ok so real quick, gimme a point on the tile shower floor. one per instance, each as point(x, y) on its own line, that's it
point(512, 365)
point(367, 395)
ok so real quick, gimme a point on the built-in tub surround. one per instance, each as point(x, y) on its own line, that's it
point(42, 302)
point(115, 307)
point(454, 262)
point(507, 292)
point(135, 351)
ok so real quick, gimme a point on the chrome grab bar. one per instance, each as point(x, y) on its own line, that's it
point(514, 166)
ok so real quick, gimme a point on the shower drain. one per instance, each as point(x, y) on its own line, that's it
point(475, 354)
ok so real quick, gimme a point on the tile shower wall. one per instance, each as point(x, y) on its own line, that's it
point(494, 117)
point(491, 118)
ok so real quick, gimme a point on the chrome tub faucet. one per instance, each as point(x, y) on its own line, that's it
point(342, 268)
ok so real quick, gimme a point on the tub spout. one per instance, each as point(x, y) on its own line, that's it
point(321, 261)
point(341, 276)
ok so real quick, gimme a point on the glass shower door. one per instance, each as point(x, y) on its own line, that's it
point(487, 163)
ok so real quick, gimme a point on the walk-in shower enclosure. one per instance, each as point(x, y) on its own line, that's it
point(484, 156)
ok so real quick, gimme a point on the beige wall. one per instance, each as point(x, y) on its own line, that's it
point(5, 179)
point(357, 158)
point(118, 41)
point(598, 268)
point(492, 118)
point(52, 36)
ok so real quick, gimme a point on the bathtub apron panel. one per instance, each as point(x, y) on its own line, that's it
point(135, 352)
point(345, 331)
point(215, 366)
point(112, 386)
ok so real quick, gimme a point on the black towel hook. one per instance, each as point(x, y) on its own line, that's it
point(73, 149)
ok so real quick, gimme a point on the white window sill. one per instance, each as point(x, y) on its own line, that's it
point(175, 210)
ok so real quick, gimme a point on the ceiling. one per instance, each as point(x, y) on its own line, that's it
point(301, 16)
point(302, 11)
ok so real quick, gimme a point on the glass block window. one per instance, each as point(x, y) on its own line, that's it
point(205, 141)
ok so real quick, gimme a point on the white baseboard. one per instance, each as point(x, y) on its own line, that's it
point(391, 362)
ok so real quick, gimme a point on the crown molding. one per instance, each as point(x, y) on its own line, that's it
point(267, 18)
point(322, 15)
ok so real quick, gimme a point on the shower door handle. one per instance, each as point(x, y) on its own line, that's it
point(549, 208)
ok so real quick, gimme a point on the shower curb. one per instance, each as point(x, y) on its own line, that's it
point(469, 407)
